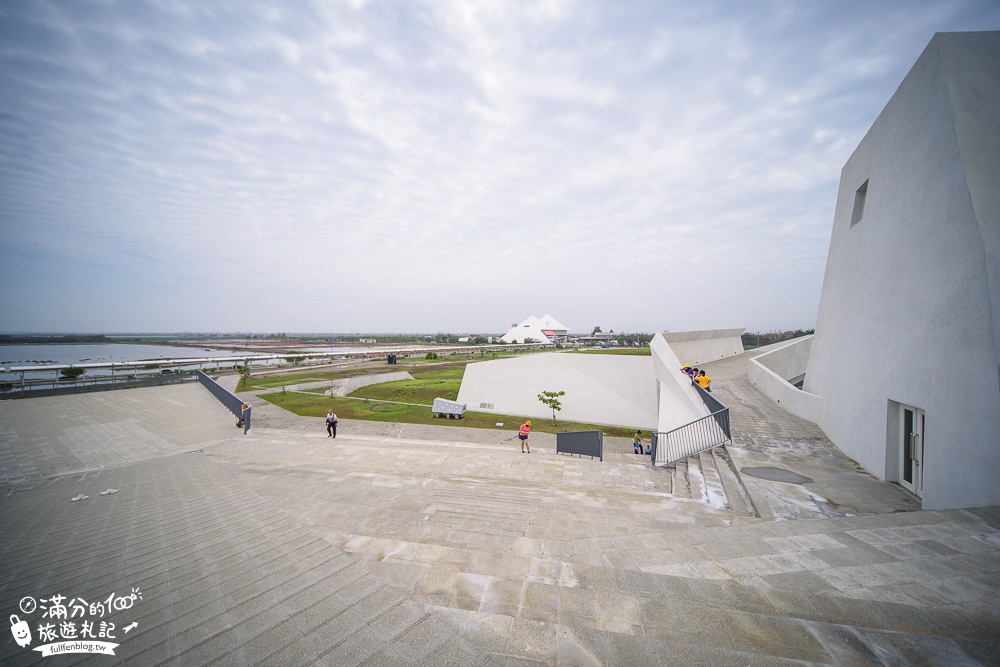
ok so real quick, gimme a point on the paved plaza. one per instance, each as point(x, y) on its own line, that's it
point(399, 544)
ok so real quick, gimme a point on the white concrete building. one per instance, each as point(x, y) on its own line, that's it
point(903, 372)
point(545, 329)
point(600, 389)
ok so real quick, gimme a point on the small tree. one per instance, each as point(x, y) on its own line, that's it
point(71, 373)
point(551, 399)
point(245, 374)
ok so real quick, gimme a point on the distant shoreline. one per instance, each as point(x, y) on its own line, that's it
point(68, 339)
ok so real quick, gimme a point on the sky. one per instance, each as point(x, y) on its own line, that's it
point(438, 166)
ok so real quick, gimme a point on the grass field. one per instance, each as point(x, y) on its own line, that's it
point(385, 402)
point(302, 375)
point(313, 405)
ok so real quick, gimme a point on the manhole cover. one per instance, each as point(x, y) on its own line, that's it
point(777, 475)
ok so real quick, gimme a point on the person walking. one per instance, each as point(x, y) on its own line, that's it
point(704, 381)
point(331, 424)
point(522, 433)
point(637, 442)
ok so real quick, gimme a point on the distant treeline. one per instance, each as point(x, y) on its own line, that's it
point(65, 339)
point(759, 339)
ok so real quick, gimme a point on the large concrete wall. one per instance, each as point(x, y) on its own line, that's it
point(698, 347)
point(908, 312)
point(771, 371)
point(600, 389)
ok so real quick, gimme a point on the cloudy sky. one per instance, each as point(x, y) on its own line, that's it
point(452, 166)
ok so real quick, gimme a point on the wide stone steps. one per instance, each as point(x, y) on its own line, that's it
point(710, 478)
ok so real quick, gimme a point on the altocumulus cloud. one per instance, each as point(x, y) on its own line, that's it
point(435, 165)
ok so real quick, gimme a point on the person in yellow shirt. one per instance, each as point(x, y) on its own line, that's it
point(703, 381)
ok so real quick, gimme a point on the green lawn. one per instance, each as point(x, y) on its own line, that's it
point(441, 379)
point(412, 364)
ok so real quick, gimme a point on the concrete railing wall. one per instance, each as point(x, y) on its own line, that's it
point(770, 373)
point(36, 389)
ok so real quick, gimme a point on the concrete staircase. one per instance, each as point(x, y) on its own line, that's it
point(711, 478)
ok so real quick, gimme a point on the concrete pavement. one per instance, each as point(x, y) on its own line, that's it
point(426, 545)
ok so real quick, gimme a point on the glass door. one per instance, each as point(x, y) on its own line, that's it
point(912, 449)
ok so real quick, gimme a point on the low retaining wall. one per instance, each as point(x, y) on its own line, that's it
point(348, 385)
point(770, 373)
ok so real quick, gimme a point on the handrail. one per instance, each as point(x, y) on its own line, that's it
point(669, 447)
point(39, 388)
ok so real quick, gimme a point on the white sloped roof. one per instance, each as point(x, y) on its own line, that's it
point(551, 324)
point(533, 327)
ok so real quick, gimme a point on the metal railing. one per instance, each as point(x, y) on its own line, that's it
point(703, 434)
point(235, 404)
point(40, 388)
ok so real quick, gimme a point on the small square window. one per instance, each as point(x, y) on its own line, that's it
point(859, 203)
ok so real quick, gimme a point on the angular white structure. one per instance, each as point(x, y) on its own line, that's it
point(639, 392)
point(600, 389)
point(903, 374)
point(545, 329)
point(677, 401)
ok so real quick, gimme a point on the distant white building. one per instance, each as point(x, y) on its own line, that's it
point(545, 329)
